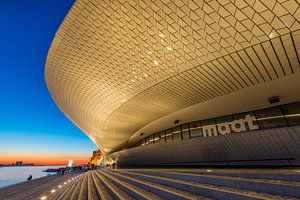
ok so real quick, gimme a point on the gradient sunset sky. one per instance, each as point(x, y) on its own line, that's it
point(32, 128)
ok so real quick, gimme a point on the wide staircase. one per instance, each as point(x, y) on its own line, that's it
point(178, 184)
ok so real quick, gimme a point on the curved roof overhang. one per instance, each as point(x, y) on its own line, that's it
point(115, 66)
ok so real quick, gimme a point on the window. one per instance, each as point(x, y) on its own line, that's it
point(185, 131)
point(227, 118)
point(147, 140)
point(159, 137)
point(270, 118)
point(176, 133)
point(195, 129)
point(142, 143)
point(151, 139)
point(292, 113)
point(169, 135)
point(279, 116)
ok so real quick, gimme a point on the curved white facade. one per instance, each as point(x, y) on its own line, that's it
point(120, 68)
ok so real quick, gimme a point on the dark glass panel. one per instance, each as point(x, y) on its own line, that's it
point(185, 131)
point(169, 135)
point(195, 129)
point(270, 118)
point(292, 113)
point(176, 133)
point(157, 138)
point(151, 139)
point(142, 142)
point(147, 140)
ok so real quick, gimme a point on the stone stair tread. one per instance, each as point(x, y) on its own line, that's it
point(144, 193)
point(249, 193)
point(66, 195)
point(181, 193)
point(92, 193)
point(290, 183)
point(276, 174)
point(117, 191)
point(102, 191)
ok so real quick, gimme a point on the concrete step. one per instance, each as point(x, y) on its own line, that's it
point(83, 191)
point(163, 191)
point(114, 190)
point(134, 191)
point(209, 190)
point(276, 187)
point(93, 193)
point(68, 190)
point(291, 175)
point(102, 191)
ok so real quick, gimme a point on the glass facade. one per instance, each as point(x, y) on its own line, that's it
point(195, 129)
point(274, 117)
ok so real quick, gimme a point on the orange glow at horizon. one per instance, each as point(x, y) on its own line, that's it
point(44, 159)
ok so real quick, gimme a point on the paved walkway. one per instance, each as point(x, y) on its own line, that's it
point(161, 184)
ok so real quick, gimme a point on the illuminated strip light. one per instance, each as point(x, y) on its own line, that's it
point(272, 117)
point(293, 115)
point(279, 116)
point(193, 128)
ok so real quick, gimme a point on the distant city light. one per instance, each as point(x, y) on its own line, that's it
point(70, 163)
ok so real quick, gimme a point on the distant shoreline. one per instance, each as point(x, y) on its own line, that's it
point(29, 165)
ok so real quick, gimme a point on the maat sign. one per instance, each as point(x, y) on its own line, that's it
point(236, 126)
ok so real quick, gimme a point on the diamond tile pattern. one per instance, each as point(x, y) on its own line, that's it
point(116, 65)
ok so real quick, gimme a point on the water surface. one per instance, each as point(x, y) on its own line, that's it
point(13, 175)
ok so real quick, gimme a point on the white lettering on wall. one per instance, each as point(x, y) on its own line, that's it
point(236, 126)
point(209, 130)
point(223, 128)
point(250, 119)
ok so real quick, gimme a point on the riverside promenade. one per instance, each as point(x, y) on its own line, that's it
point(161, 184)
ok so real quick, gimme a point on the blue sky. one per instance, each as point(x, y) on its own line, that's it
point(30, 122)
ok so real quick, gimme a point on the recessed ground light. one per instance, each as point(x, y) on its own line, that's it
point(43, 198)
point(52, 191)
point(155, 62)
point(209, 170)
point(169, 48)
